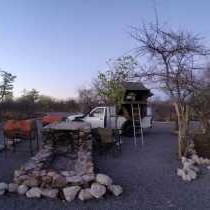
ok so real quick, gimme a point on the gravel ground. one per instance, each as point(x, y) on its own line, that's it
point(147, 174)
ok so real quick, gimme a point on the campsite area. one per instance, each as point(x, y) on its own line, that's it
point(147, 175)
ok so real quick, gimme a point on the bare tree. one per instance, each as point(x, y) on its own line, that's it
point(173, 57)
point(87, 99)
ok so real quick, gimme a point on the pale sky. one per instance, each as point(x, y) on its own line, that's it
point(58, 46)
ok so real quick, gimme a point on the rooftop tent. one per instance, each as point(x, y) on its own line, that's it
point(135, 91)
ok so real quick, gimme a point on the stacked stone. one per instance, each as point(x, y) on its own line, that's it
point(190, 165)
point(38, 179)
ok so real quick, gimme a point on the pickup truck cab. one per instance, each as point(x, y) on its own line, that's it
point(106, 117)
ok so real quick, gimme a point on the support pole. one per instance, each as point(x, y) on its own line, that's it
point(140, 121)
point(134, 128)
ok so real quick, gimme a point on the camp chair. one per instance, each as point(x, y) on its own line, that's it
point(20, 129)
point(110, 137)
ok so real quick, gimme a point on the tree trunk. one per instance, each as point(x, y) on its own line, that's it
point(182, 112)
point(205, 123)
point(176, 124)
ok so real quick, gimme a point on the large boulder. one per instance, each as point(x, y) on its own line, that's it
point(68, 173)
point(70, 193)
point(34, 192)
point(2, 192)
point(3, 186)
point(103, 179)
point(75, 180)
point(12, 187)
point(97, 190)
point(115, 189)
point(192, 174)
point(22, 189)
point(85, 194)
point(88, 177)
point(18, 173)
point(50, 193)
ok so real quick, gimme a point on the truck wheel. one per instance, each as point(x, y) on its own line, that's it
point(127, 128)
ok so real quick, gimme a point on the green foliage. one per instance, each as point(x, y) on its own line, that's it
point(200, 106)
point(6, 85)
point(30, 96)
point(109, 84)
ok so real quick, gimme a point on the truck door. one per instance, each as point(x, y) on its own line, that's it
point(96, 117)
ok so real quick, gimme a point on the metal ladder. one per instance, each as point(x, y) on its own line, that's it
point(137, 122)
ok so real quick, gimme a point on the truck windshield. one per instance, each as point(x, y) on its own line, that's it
point(99, 112)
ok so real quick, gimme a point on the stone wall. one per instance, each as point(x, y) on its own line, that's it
point(63, 168)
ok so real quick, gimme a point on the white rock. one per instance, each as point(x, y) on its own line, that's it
point(22, 189)
point(196, 159)
point(2, 192)
point(183, 159)
point(74, 179)
point(208, 167)
point(50, 193)
point(52, 174)
point(34, 192)
point(97, 190)
point(85, 194)
point(65, 173)
point(192, 174)
point(71, 192)
point(17, 173)
point(180, 172)
point(12, 187)
point(115, 189)
point(186, 177)
point(202, 160)
point(88, 178)
point(187, 165)
point(3, 186)
point(103, 179)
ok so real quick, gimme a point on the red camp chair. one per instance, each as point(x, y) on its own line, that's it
point(20, 129)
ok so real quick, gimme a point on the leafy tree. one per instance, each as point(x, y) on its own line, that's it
point(45, 103)
point(6, 85)
point(31, 96)
point(109, 83)
point(200, 100)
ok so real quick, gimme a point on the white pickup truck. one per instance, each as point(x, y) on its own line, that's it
point(105, 117)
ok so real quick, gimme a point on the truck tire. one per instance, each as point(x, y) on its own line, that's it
point(127, 128)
